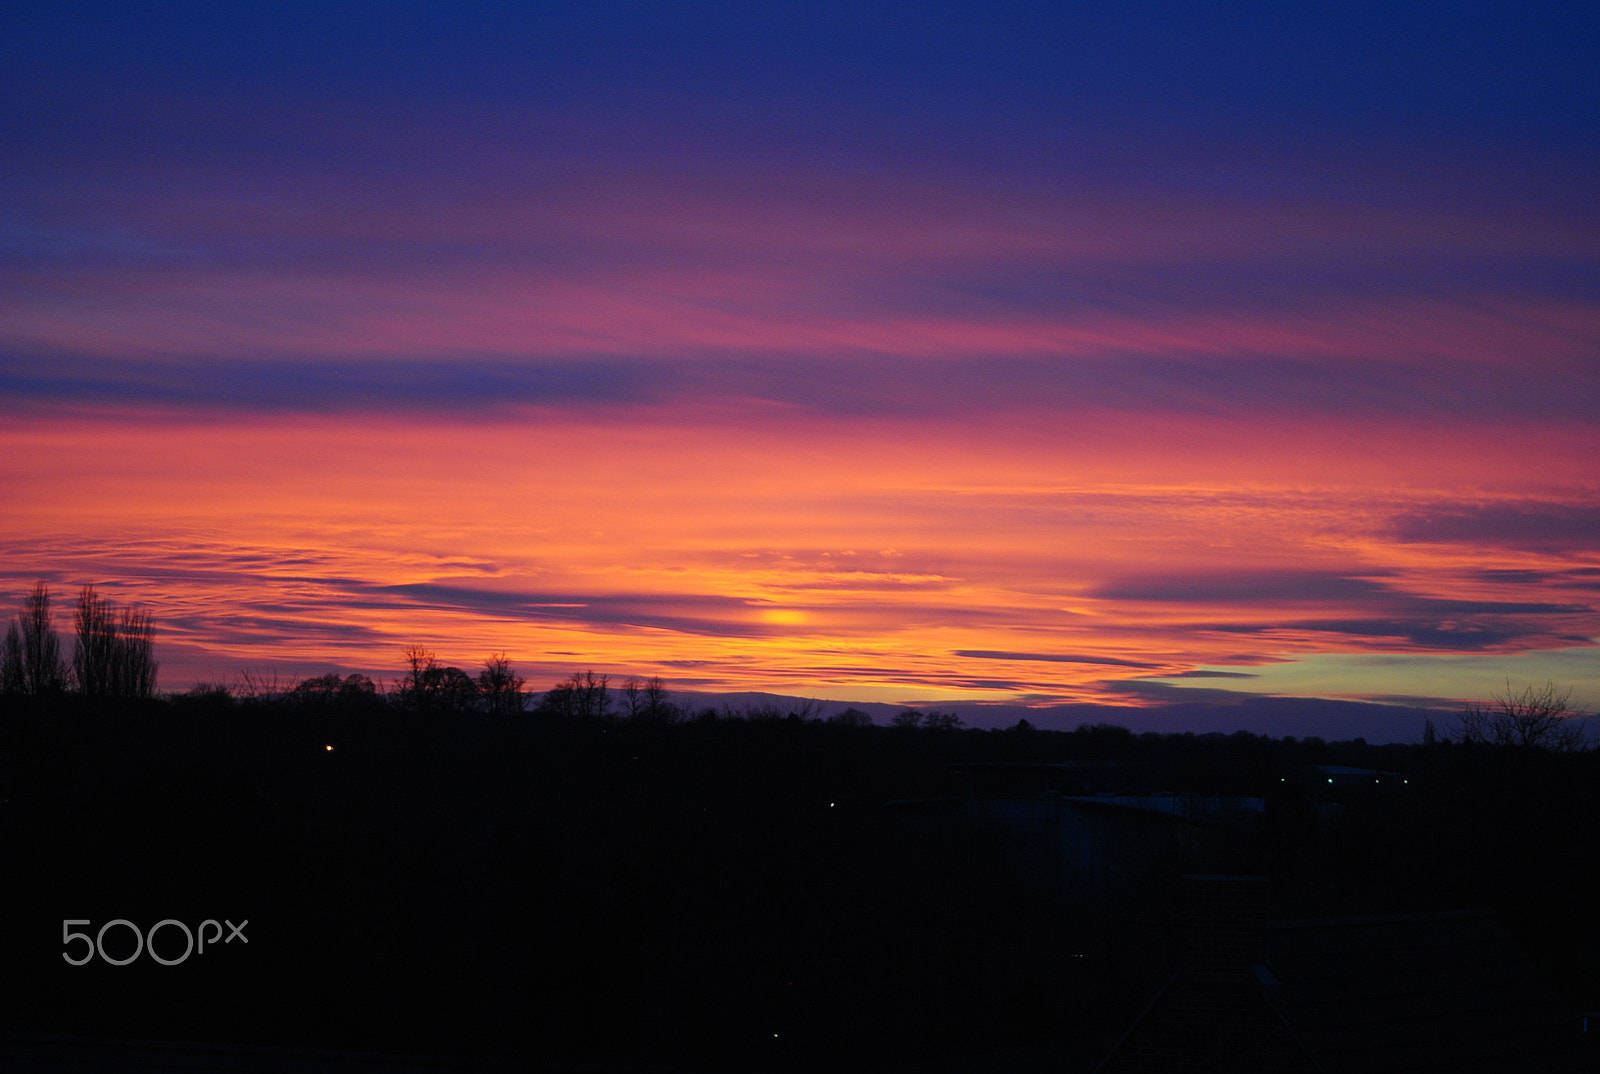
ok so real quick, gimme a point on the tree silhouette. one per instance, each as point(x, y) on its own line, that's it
point(94, 656)
point(454, 690)
point(11, 661)
point(114, 656)
point(500, 686)
point(429, 686)
point(907, 719)
point(1539, 717)
point(330, 691)
point(31, 663)
point(136, 662)
point(657, 703)
point(581, 696)
point(257, 687)
point(648, 701)
point(932, 720)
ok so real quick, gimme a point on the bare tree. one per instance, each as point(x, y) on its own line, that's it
point(11, 661)
point(753, 711)
point(136, 662)
point(559, 700)
point(323, 692)
point(258, 686)
point(658, 705)
point(429, 686)
point(114, 656)
point(1538, 717)
point(656, 696)
point(594, 700)
point(935, 720)
point(808, 709)
point(633, 697)
point(583, 696)
point(454, 690)
point(415, 687)
point(500, 686)
point(648, 701)
point(908, 718)
point(95, 654)
point(32, 661)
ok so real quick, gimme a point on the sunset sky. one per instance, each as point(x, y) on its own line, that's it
point(1064, 352)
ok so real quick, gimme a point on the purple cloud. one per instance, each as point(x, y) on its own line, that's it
point(1547, 527)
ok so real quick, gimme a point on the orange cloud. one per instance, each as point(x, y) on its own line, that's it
point(851, 558)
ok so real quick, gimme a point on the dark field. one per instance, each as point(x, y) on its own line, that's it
point(713, 893)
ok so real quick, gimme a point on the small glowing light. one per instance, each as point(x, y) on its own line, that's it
point(328, 748)
point(1330, 779)
point(783, 616)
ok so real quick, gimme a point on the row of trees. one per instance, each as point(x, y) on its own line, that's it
point(113, 655)
point(429, 686)
point(432, 688)
point(932, 720)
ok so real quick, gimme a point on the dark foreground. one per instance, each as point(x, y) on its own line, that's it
point(714, 894)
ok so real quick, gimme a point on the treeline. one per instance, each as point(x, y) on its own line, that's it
point(428, 687)
point(113, 657)
point(113, 654)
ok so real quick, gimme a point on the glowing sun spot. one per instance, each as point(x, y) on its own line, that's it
point(783, 616)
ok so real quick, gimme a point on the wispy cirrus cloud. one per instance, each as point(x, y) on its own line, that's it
point(1051, 658)
point(1363, 610)
point(1546, 526)
point(828, 386)
point(431, 386)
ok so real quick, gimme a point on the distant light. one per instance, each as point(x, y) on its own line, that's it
point(1330, 779)
point(328, 748)
point(830, 805)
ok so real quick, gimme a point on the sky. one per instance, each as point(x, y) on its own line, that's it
point(1124, 353)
